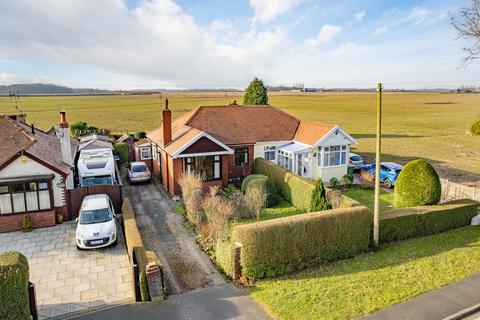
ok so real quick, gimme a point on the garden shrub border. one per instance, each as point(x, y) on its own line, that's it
point(14, 277)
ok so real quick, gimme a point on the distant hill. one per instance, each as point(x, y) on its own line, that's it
point(45, 89)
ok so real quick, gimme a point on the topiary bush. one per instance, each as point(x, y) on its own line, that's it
point(14, 286)
point(263, 182)
point(417, 185)
point(319, 199)
point(475, 128)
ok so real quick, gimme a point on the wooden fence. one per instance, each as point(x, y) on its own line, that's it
point(75, 197)
point(454, 191)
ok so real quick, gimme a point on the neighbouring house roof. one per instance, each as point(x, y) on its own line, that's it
point(17, 137)
point(294, 147)
point(142, 142)
point(125, 137)
point(94, 144)
point(237, 124)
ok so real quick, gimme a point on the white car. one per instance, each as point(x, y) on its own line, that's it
point(138, 172)
point(355, 161)
point(97, 225)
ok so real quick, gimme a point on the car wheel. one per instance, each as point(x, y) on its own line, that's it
point(388, 183)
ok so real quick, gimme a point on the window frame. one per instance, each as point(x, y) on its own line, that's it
point(270, 150)
point(241, 151)
point(38, 189)
point(325, 160)
point(149, 150)
point(217, 159)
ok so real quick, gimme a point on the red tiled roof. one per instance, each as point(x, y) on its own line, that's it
point(310, 132)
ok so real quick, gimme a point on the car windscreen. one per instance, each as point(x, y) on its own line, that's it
point(139, 168)
point(95, 216)
point(88, 181)
point(355, 158)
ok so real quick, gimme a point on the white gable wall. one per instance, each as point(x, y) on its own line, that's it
point(25, 166)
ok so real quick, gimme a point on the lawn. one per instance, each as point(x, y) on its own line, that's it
point(366, 197)
point(373, 281)
point(432, 126)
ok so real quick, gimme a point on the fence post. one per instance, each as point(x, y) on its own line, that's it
point(32, 301)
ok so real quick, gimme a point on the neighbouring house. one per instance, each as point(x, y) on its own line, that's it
point(130, 141)
point(36, 169)
point(94, 141)
point(143, 152)
point(221, 142)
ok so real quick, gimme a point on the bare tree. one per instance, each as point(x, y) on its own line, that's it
point(467, 25)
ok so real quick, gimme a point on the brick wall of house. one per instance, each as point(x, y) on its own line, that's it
point(148, 162)
point(13, 222)
point(63, 210)
point(175, 171)
point(239, 172)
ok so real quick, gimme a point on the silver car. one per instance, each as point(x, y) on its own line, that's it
point(138, 172)
point(355, 161)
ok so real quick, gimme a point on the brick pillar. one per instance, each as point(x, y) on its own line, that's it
point(237, 266)
point(154, 280)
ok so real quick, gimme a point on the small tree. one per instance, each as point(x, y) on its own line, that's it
point(256, 93)
point(319, 200)
point(467, 25)
point(77, 128)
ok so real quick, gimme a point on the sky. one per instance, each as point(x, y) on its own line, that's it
point(181, 44)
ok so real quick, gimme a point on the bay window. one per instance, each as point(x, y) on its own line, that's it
point(334, 156)
point(25, 197)
point(208, 167)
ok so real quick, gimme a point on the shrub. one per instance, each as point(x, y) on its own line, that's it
point(401, 224)
point(366, 179)
point(144, 287)
point(193, 205)
point(27, 224)
point(188, 183)
point(347, 180)
point(295, 189)
point(241, 211)
point(78, 128)
point(255, 200)
point(14, 286)
point(229, 190)
point(121, 150)
point(263, 182)
point(319, 200)
point(417, 185)
point(140, 135)
point(475, 128)
point(218, 212)
point(334, 183)
point(334, 198)
point(279, 246)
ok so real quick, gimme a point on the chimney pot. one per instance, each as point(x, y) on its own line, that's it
point(33, 128)
point(63, 119)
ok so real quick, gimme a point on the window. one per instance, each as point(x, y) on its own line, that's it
point(334, 156)
point(24, 197)
point(145, 153)
point(285, 160)
point(241, 156)
point(270, 152)
point(207, 167)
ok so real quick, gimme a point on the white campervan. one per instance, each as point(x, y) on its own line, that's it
point(96, 166)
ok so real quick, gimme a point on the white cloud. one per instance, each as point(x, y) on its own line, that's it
point(358, 17)
point(380, 30)
point(419, 15)
point(350, 49)
point(326, 34)
point(157, 41)
point(268, 10)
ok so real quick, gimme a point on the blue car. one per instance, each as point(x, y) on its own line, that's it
point(389, 172)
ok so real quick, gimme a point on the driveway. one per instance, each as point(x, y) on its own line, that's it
point(196, 288)
point(67, 280)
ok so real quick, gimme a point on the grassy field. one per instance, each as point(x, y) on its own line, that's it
point(373, 281)
point(367, 197)
point(415, 125)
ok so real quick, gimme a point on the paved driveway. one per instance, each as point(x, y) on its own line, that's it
point(68, 280)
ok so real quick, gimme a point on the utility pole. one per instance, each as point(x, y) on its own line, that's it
point(376, 219)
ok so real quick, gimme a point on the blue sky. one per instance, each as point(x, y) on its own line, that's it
point(141, 44)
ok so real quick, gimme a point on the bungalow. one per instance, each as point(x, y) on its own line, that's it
point(36, 169)
point(221, 142)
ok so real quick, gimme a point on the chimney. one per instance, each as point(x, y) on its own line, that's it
point(32, 128)
point(65, 146)
point(167, 124)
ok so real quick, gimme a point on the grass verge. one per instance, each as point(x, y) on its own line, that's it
point(373, 281)
point(367, 196)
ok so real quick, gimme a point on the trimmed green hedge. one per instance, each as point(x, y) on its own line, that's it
point(417, 185)
point(295, 189)
point(280, 246)
point(121, 150)
point(14, 286)
point(265, 183)
point(401, 224)
point(224, 256)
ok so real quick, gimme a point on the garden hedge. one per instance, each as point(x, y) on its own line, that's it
point(401, 224)
point(279, 246)
point(295, 189)
point(265, 183)
point(224, 256)
point(417, 185)
point(121, 150)
point(14, 286)
point(135, 246)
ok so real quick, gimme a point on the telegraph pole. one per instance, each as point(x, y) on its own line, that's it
point(376, 219)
